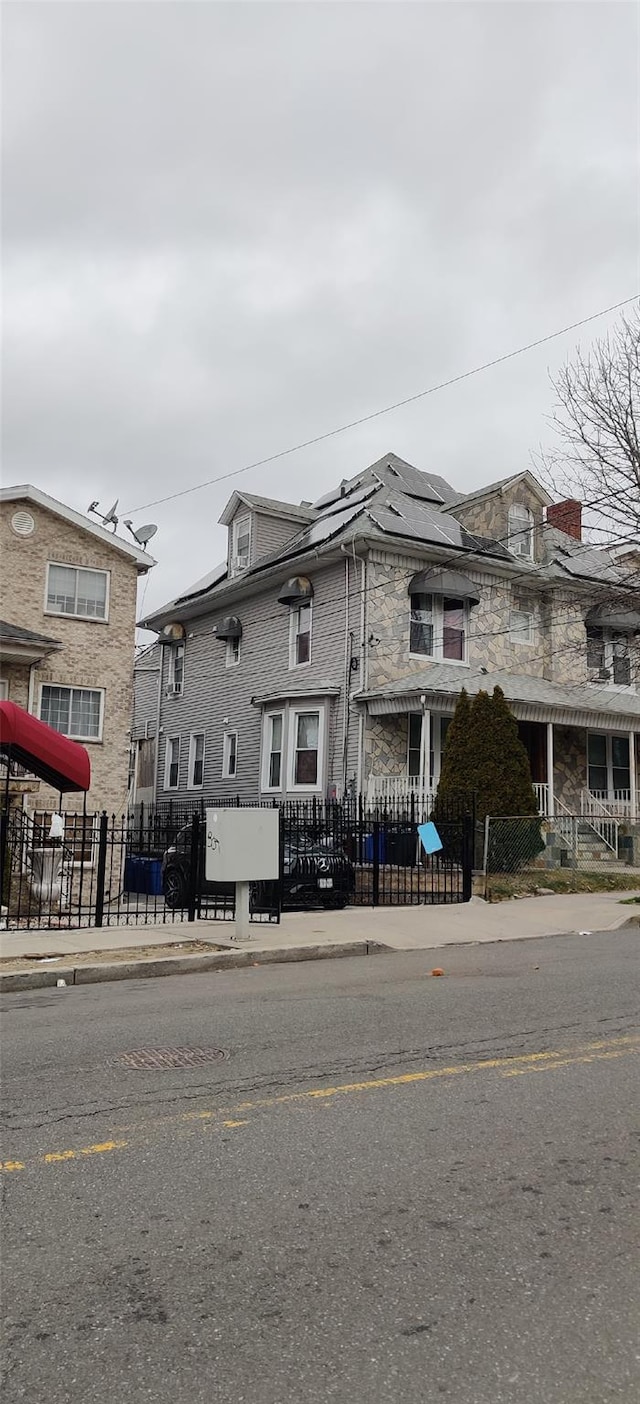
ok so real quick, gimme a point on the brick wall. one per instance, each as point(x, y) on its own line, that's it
point(94, 655)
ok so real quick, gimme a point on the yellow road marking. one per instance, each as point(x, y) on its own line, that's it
point(99, 1149)
point(516, 1066)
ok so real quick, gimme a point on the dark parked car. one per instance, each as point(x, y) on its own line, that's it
point(314, 873)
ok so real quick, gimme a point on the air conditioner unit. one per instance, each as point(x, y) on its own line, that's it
point(174, 690)
point(239, 563)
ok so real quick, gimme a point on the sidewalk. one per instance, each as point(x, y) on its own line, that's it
point(399, 928)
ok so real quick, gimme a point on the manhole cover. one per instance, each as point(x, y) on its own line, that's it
point(148, 1059)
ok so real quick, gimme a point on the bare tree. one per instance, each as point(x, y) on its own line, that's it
point(597, 422)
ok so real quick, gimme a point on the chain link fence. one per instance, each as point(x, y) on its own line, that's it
point(520, 845)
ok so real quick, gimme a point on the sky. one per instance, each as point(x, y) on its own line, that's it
point(228, 228)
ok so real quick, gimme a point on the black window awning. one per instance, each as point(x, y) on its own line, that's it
point(229, 628)
point(444, 582)
point(297, 591)
point(624, 621)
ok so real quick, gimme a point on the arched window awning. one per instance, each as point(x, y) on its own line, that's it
point(624, 621)
point(444, 582)
point(297, 591)
point(229, 628)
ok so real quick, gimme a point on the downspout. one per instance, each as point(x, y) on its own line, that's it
point(346, 705)
point(364, 659)
point(156, 759)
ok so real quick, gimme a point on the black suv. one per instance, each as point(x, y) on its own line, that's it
point(315, 873)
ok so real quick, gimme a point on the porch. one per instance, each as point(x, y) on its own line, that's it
point(575, 770)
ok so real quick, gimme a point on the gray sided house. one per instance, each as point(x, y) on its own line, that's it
point(326, 654)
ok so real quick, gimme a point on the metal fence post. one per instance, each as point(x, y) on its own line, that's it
point(375, 877)
point(194, 868)
point(102, 866)
point(467, 857)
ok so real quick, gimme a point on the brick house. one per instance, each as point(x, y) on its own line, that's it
point(67, 634)
point(327, 652)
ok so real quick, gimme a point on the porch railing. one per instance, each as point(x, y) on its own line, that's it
point(617, 803)
point(400, 789)
point(542, 797)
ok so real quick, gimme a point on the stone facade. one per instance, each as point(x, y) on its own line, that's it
point(569, 765)
point(386, 745)
point(489, 639)
point(488, 515)
point(95, 654)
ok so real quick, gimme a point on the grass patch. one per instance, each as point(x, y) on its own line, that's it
point(502, 886)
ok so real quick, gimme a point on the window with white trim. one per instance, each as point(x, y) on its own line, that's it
point(240, 544)
point(609, 766)
point(229, 755)
point(300, 636)
point(520, 539)
point(73, 711)
point(172, 763)
point(521, 626)
point(232, 653)
point(273, 736)
point(176, 670)
point(76, 591)
point(609, 656)
point(438, 627)
point(306, 750)
point(196, 760)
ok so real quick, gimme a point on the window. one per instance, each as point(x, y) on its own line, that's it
point(521, 626)
point(438, 627)
point(300, 636)
point(306, 748)
point(176, 670)
point(520, 539)
point(453, 629)
point(172, 763)
point(232, 653)
point(272, 770)
point(609, 766)
point(74, 711)
point(4, 689)
point(73, 590)
point(421, 627)
point(196, 760)
point(80, 834)
point(240, 544)
point(609, 656)
point(229, 755)
point(437, 732)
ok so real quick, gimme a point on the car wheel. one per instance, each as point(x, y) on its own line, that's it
point(175, 890)
point(335, 903)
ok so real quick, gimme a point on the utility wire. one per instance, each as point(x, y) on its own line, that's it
point(388, 409)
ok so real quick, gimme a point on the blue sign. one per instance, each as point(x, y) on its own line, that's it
point(429, 838)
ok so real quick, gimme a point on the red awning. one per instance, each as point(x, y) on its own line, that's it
point(64, 764)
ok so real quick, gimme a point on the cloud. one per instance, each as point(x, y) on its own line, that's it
point(228, 228)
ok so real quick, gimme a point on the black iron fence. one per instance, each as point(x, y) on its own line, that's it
point(148, 868)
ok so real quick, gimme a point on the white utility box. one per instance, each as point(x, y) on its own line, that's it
point(242, 846)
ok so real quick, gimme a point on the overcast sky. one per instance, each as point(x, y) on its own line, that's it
point(228, 227)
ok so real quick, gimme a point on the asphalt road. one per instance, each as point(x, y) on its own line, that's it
point(393, 1188)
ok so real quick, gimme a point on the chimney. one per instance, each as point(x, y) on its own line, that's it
point(566, 516)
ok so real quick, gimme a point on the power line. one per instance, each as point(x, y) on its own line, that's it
point(388, 409)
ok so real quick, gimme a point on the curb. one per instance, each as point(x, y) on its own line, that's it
point(20, 981)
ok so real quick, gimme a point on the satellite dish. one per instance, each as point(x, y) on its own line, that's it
point(111, 515)
point(143, 533)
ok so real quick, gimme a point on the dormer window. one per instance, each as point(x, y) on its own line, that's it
point(520, 541)
point(240, 544)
